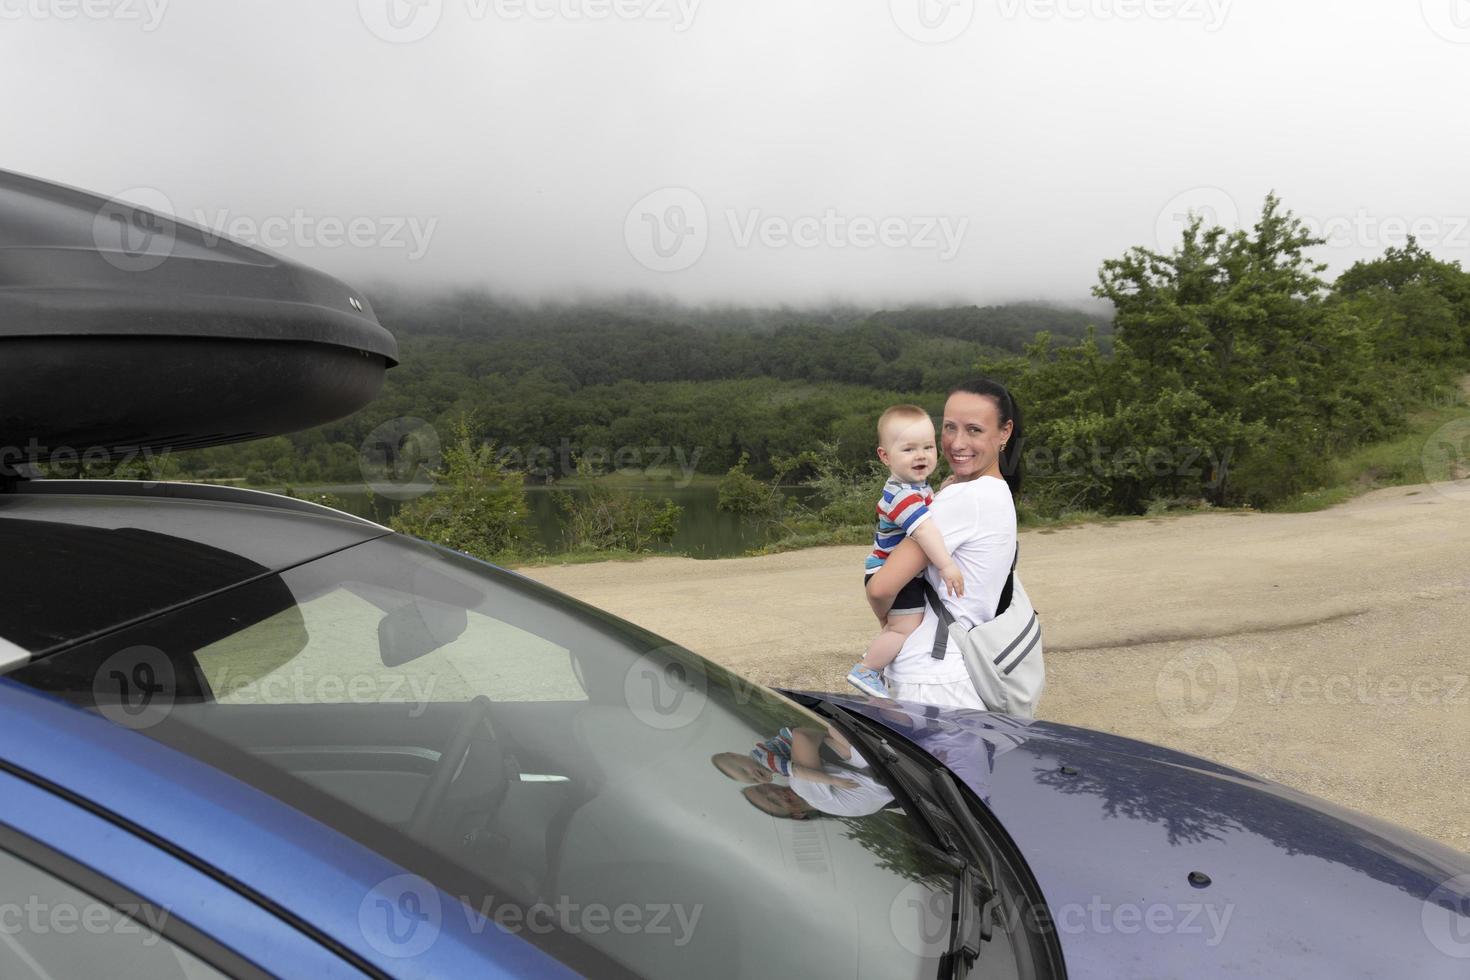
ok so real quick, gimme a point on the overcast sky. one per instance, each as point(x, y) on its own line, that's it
point(795, 151)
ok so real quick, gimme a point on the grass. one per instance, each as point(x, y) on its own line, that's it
point(1400, 461)
point(580, 557)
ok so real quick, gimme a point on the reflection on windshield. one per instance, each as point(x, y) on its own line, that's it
point(428, 705)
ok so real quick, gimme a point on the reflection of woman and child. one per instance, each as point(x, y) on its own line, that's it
point(824, 775)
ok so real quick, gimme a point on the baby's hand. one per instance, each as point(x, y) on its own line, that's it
point(842, 782)
point(954, 580)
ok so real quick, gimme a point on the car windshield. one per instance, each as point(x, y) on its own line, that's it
point(503, 740)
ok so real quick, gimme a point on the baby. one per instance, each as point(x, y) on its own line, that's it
point(906, 447)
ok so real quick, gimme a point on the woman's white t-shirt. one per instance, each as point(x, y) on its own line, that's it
point(868, 796)
point(978, 520)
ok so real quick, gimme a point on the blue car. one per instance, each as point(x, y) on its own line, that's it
point(251, 736)
point(243, 735)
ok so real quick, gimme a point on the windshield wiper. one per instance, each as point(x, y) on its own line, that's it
point(976, 899)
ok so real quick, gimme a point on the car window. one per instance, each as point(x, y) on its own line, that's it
point(50, 929)
point(337, 659)
point(567, 776)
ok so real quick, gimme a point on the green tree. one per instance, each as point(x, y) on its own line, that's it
point(477, 506)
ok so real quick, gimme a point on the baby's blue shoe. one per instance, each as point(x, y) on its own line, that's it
point(868, 680)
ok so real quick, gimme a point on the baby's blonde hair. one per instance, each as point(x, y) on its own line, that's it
point(898, 413)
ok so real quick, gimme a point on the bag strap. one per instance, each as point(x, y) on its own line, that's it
point(941, 636)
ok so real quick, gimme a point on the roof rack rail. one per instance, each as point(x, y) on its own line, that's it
point(186, 491)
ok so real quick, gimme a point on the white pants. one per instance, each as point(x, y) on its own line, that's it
point(949, 694)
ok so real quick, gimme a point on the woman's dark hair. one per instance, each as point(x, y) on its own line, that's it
point(1010, 457)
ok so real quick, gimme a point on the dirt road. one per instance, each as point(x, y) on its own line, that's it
point(1325, 650)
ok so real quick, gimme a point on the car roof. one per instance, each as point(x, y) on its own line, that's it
point(83, 557)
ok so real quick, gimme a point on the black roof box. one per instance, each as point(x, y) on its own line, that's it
point(123, 330)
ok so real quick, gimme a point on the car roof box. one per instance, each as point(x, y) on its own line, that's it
point(123, 330)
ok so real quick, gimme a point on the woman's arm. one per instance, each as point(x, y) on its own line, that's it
point(906, 561)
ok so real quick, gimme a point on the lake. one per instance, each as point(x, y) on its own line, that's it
point(705, 531)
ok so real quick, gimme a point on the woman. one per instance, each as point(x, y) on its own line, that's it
point(981, 438)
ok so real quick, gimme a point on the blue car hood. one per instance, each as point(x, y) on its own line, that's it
point(1114, 830)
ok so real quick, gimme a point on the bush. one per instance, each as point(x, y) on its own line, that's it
point(602, 518)
point(741, 493)
point(845, 494)
point(477, 506)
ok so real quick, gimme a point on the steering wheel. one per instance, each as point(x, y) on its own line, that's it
point(476, 715)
